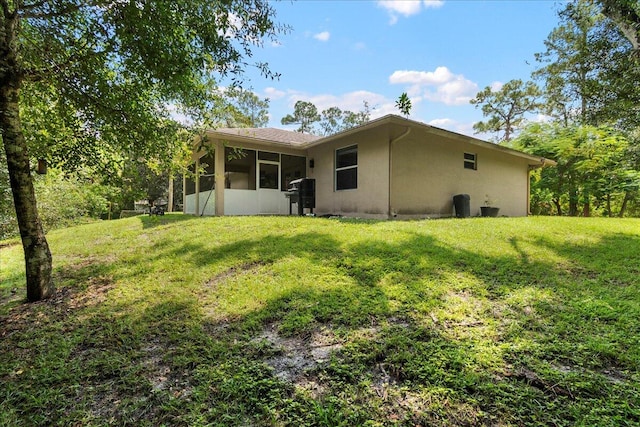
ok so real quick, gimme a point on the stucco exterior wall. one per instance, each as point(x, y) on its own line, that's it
point(428, 170)
point(405, 169)
point(371, 198)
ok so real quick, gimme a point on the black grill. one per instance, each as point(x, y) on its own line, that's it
point(302, 192)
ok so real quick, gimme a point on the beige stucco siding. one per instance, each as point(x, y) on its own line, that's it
point(405, 169)
point(371, 198)
point(428, 170)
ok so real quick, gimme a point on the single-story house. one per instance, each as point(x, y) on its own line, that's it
point(390, 167)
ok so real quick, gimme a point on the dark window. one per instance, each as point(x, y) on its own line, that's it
point(347, 179)
point(292, 167)
point(269, 176)
point(272, 157)
point(347, 168)
point(470, 161)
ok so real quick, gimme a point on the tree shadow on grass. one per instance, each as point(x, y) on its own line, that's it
point(615, 254)
point(418, 331)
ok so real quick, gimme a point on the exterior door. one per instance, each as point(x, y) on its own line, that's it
point(269, 193)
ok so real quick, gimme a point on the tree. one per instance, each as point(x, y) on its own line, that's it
point(247, 109)
point(351, 119)
point(331, 121)
point(334, 120)
point(506, 108)
point(626, 15)
point(305, 114)
point(113, 70)
point(587, 70)
point(403, 103)
point(594, 166)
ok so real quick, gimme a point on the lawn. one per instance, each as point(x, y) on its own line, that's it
point(300, 321)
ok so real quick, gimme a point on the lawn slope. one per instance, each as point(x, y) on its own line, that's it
point(262, 321)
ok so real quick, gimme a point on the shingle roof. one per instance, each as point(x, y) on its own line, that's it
point(270, 134)
point(303, 140)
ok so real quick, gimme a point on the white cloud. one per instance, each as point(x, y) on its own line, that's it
point(407, 8)
point(542, 118)
point(440, 85)
point(439, 76)
point(496, 86)
point(454, 126)
point(273, 93)
point(457, 92)
point(402, 7)
point(442, 123)
point(432, 4)
point(323, 36)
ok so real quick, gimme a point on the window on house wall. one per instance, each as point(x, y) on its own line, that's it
point(291, 167)
point(239, 168)
point(470, 161)
point(347, 168)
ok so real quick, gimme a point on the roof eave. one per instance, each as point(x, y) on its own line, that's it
point(395, 119)
point(213, 134)
point(388, 119)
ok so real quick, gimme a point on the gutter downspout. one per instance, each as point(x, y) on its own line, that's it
point(391, 141)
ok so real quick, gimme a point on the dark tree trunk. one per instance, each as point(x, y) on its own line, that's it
point(586, 203)
point(626, 18)
point(573, 203)
point(627, 196)
point(36, 250)
point(558, 205)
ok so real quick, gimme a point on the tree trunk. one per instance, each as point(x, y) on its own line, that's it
point(586, 204)
point(627, 196)
point(626, 18)
point(573, 202)
point(556, 202)
point(36, 250)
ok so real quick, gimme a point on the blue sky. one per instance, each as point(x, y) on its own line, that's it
point(343, 52)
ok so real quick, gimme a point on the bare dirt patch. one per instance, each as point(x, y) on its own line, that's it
point(297, 355)
point(160, 374)
point(65, 301)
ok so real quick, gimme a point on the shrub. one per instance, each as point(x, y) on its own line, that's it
point(62, 201)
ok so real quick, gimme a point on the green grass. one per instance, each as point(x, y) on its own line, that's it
point(317, 322)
